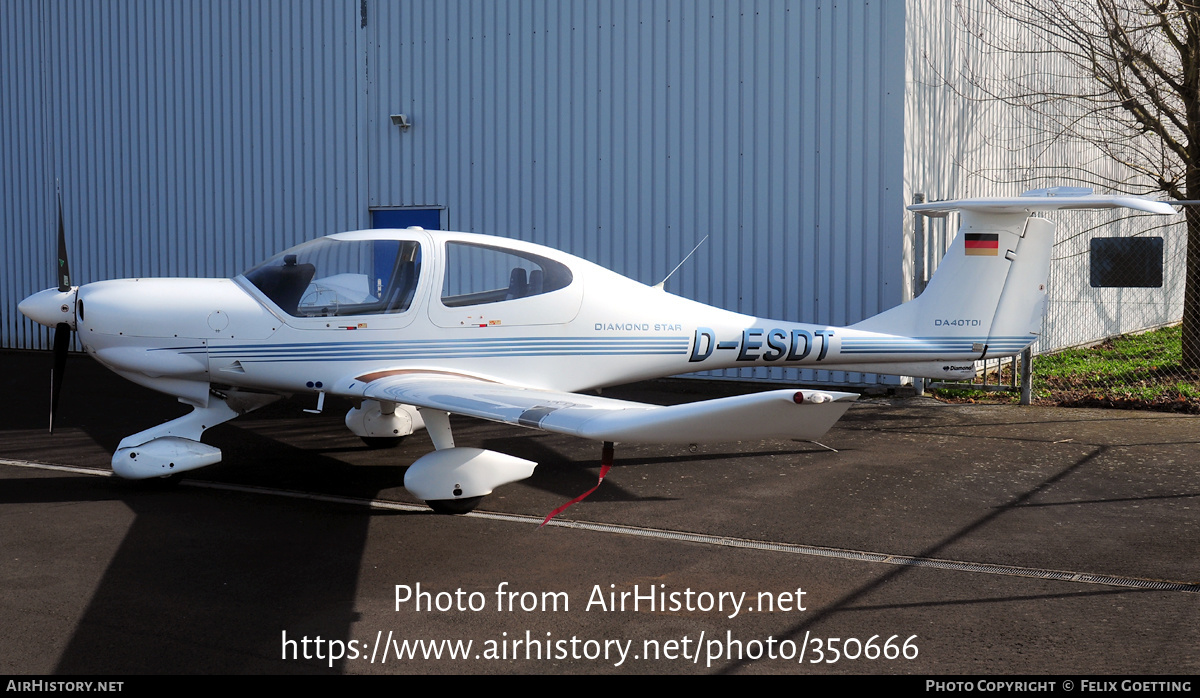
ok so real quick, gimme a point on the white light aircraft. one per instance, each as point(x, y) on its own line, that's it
point(416, 324)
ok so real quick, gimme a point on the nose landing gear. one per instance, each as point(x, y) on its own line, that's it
point(174, 447)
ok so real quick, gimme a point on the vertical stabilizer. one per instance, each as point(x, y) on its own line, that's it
point(975, 293)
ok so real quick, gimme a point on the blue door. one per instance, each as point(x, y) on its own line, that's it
point(427, 218)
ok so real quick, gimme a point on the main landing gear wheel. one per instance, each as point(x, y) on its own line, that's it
point(162, 483)
point(451, 507)
point(374, 442)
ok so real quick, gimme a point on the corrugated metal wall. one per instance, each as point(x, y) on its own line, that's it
point(191, 139)
point(624, 132)
point(196, 139)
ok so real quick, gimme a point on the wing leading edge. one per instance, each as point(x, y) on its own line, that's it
point(773, 414)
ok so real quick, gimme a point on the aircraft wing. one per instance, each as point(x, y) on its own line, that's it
point(773, 414)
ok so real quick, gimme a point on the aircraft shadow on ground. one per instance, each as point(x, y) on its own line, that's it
point(848, 602)
point(203, 584)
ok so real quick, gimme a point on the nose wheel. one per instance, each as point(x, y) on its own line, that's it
point(378, 442)
point(453, 507)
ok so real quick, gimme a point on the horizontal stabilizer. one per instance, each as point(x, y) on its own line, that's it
point(774, 414)
point(1042, 202)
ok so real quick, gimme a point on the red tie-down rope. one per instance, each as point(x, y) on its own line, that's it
point(606, 461)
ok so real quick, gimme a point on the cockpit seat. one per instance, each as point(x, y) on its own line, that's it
point(518, 284)
point(286, 284)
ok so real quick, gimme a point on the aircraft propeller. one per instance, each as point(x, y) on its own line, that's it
point(62, 331)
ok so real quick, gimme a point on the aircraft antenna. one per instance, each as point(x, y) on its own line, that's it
point(662, 284)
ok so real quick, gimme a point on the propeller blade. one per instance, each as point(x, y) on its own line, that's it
point(62, 340)
point(63, 271)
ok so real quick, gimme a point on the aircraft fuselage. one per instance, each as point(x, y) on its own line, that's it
point(600, 329)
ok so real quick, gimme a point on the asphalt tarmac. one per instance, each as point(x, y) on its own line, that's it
point(935, 539)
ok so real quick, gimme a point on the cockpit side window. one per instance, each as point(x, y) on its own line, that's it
point(478, 274)
point(327, 277)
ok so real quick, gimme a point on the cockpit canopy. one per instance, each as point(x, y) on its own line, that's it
point(480, 274)
point(330, 277)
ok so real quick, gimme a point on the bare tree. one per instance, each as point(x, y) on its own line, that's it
point(1121, 75)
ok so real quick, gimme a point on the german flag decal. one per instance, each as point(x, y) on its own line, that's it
point(987, 244)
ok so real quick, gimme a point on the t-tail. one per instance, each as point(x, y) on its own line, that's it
point(990, 288)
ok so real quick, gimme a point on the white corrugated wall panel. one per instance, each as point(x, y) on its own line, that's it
point(191, 139)
point(624, 132)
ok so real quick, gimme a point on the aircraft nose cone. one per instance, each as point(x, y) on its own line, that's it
point(50, 307)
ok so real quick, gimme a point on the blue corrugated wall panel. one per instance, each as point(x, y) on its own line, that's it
point(625, 132)
point(191, 139)
point(194, 139)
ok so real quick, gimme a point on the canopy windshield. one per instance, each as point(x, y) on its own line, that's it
point(328, 277)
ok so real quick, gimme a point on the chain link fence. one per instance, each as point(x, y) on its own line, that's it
point(1112, 333)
